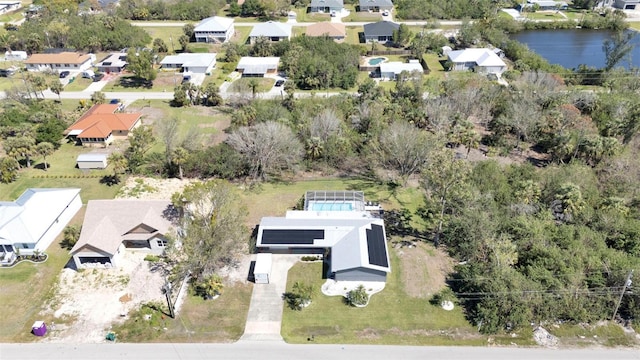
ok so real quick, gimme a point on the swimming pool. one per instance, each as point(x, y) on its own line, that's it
point(332, 206)
point(377, 61)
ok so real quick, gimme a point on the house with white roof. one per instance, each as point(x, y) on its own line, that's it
point(196, 63)
point(391, 70)
point(215, 29)
point(112, 227)
point(114, 63)
point(484, 61)
point(34, 220)
point(274, 31)
point(337, 224)
point(250, 66)
point(326, 6)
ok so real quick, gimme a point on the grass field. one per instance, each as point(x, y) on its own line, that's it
point(165, 81)
point(168, 34)
point(26, 288)
point(243, 84)
point(78, 84)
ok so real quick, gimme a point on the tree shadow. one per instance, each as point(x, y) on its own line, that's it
point(135, 82)
point(110, 180)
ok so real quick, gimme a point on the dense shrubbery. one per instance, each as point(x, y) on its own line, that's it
point(194, 10)
point(455, 9)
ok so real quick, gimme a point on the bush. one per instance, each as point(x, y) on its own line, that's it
point(310, 258)
point(445, 294)
point(299, 296)
point(358, 297)
point(209, 287)
point(152, 258)
point(71, 235)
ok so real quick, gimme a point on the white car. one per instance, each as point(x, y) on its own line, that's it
point(385, 13)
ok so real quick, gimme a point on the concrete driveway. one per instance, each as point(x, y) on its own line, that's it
point(265, 312)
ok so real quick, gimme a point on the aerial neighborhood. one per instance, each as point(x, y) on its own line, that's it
point(372, 172)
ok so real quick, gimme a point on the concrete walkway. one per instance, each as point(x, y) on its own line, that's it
point(265, 311)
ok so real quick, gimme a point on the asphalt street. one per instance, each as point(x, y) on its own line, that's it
point(267, 350)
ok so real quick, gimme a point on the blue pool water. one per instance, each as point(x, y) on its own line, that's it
point(376, 61)
point(332, 207)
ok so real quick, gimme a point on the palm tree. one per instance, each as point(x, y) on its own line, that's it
point(179, 157)
point(253, 84)
point(56, 87)
point(45, 149)
point(120, 164)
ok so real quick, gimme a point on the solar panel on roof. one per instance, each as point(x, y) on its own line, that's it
point(285, 237)
point(376, 246)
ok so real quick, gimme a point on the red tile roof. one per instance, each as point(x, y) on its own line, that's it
point(101, 120)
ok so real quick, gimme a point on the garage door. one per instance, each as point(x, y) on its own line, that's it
point(94, 260)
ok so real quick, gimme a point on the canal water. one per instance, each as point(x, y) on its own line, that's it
point(573, 47)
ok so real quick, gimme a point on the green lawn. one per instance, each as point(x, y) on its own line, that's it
point(7, 83)
point(589, 335)
point(243, 84)
point(168, 34)
point(242, 34)
point(547, 15)
point(12, 16)
point(360, 16)
point(304, 16)
point(165, 81)
point(78, 84)
point(353, 36)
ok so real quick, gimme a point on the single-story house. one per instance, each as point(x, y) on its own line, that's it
point(111, 226)
point(15, 55)
point(92, 161)
point(336, 31)
point(391, 70)
point(9, 6)
point(215, 29)
point(34, 220)
point(543, 5)
point(257, 66)
point(334, 223)
point(102, 124)
point(197, 63)
point(70, 61)
point(114, 63)
point(381, 31)
point(274, 31)
point(375, 5)
point(326, 6)
point(626, 4)
point(484, 61)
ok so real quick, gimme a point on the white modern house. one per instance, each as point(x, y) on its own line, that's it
point(64, 61)
point(483, 61)
point(272, 30)
point(391, 70)
point(215, 29)
point(249, 66)
point(337, 224)
point(197, 63)
point(34, 220)
point(112, 227)
point(114, 63)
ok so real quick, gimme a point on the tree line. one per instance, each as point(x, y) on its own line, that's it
point(194, 10)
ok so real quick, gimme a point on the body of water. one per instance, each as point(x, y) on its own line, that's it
point(573, 47)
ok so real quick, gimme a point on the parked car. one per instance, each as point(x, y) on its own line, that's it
point(279, 82)
point(64, 74)
point(385, 13)
point(114, 101)
point(97, 77)
point(88, 74)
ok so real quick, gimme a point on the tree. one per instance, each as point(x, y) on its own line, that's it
point(211, 95)
point(402, 36)
point(179, 157)
point(71, 234)
point(119, 164)
point(8, 170)
point(140, 63)
point(180, 98)
point(210, 287)
point(45, 149)
point(189, 29)
point(98, 97)
point(444, 178)
point(405, 149)
point(56, 87)
point(167, 130)
point(159, 46)
point(21, 147)
point(268, 147)
point(358, 296)
point(299, 296)
point(183, 40)
point(140, 142)
point(617, 48)
point(214, 230)
point(252, 8)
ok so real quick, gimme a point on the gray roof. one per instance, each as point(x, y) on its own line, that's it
point(271, 29)
point(190, 60)
point(326, 3)
point(257, 65)
point(92, 157)
point(214, 23)
point(108, 222)
point(380, 28)
point(384, 3)
point(397, 67)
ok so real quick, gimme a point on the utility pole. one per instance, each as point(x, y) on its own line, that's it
point(167, 293)
point(627, 284)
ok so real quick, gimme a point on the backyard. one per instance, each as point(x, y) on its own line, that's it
point(165, 81)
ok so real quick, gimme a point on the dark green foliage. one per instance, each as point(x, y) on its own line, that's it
point(195, 10)
point(50, 131)
point(216, 161)
point(455, 9)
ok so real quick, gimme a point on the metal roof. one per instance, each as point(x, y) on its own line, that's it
point(190, 60)
point(326, 3)
point(384, 3)
point(482, 57)
point(257, 65)
point(380, 28)
point(92, 157)
point(397, 67)
point(271, 29)
point(214, 23)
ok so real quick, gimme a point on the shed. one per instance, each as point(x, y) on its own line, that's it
point(15, 55)
point(262, 270)
point(92, 161)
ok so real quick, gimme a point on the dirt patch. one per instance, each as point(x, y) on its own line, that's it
point(424, 269)
point(152, 189)
point(125, 298)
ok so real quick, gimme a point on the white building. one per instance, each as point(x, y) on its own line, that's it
point(114, 63)
point(9, 6)
point(15, 56)
point(69, 61)
point(483, 61)
point(35, 219)
point(258, 66)
point(391, 70)
point(215, 29)
point(273, 31)
point(193, 63)
point(92, 161)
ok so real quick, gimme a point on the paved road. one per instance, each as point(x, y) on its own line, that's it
point(278, 350)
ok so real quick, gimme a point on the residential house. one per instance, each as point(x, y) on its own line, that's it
point(391, 70)
point(102, 124)
point(114, 63)
point(545, 5)
point(9, 6)
point(273, 31)
point(34, 220)
point(335, 223)
point(215, 29)
point(257, 66)
point(326, 6)
point(375, 5)
point(626, 4)
point(196, 63)
point(336, 31)
point(112, 226)
point(381, 31)
point(64, 61)
point(484, 61)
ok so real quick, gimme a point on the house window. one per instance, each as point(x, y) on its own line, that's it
point(162, 243)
